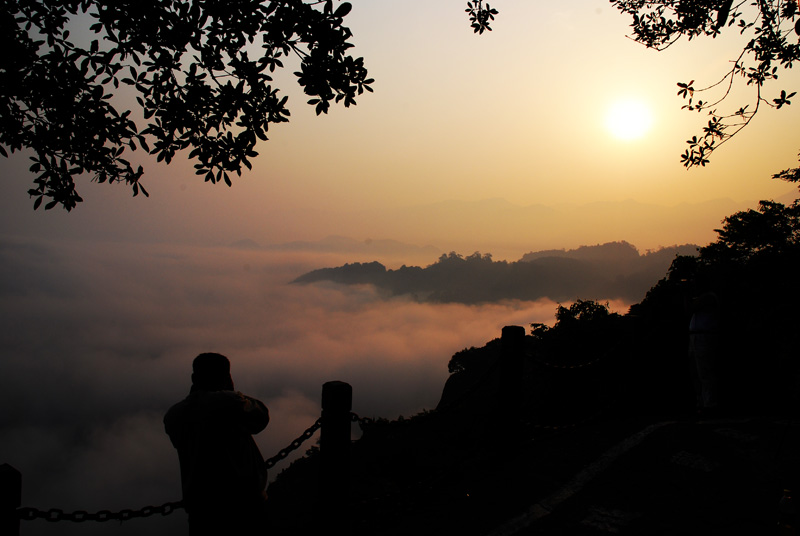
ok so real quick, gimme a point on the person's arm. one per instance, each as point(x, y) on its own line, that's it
point(255, 414)
point(236, 407)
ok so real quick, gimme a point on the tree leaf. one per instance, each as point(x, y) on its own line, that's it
point(343, 10)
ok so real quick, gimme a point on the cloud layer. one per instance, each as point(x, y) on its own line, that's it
point(98, 341)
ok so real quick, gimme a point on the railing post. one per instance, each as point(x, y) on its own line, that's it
point(10, 499)
point(512, 367)
point(337, 399)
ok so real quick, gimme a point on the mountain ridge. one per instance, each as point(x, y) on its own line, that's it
point(615, 270)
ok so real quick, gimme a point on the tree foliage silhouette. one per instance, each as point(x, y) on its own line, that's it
point(773, 230)
point(189, 66)
point(582, 331)
point(479, 16)
point(200, 71)
point(770, 30)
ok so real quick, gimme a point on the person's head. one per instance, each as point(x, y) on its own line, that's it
point(212, 372)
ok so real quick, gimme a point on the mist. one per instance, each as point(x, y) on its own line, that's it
point(99, 339)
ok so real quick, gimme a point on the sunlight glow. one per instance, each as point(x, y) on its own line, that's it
point(628, 119)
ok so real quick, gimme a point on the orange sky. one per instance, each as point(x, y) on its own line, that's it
point(518, 114)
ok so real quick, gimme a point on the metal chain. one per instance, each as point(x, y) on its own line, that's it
point(283, 453)
point(79, 516)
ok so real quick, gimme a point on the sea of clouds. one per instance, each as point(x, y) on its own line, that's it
point(98, 340)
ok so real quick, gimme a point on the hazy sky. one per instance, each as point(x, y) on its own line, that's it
point(495, 143)
point(517, 114)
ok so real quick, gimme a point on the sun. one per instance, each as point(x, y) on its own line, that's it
point(628, 119)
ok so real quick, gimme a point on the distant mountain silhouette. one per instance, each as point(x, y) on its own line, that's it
point(612, 251)
point(614, 270)
point(343, 244)
point(246, 243)
point(492, 224)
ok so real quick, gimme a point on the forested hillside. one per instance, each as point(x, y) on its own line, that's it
point(615, 270)
point(585, 382)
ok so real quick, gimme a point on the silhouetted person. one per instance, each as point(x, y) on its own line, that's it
point(223, 475)
point(704, 350)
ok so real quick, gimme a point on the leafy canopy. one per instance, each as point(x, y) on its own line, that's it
point(769, 29)
point(480, 17)
point(200, 70)
point(771, 231)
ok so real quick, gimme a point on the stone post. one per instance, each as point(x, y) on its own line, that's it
point(337, 399)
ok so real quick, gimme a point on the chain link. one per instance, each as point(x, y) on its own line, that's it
point(296, 444)
point(79, 516)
